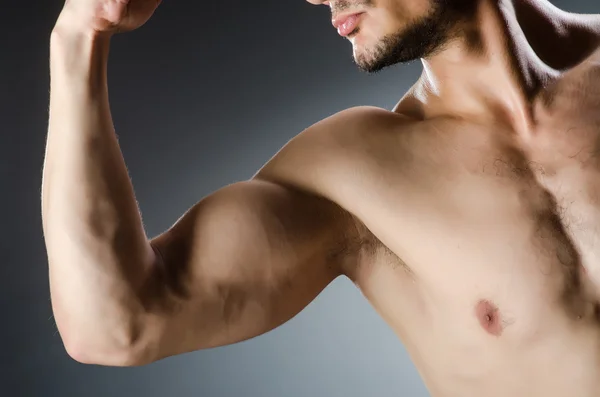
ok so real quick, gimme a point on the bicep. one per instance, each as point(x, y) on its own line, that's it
point(241, 262)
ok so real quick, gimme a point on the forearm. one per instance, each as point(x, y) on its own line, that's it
point(99, 256)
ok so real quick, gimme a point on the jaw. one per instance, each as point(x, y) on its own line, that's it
point(368, 41)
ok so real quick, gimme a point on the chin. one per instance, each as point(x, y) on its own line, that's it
point(362, 57)
point(367, 64)
point(370, 46)
point(367, 54)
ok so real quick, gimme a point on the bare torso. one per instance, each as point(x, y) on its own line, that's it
point(476, 238)
point(480, 245)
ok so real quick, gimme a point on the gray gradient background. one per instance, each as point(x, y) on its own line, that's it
point(202, 96)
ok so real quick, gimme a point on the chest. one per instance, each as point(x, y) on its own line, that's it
point(481, 214)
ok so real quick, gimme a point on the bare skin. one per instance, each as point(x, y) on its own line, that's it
point(469, 216)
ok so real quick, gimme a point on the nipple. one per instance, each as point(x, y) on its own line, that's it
point(489, 317)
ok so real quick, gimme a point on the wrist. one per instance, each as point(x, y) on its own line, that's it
point(71, 24)
point(73, 46)
point(78, 58)
point(72, 38)
point(71, 34)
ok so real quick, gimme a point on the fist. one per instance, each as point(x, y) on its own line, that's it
point(107, 16)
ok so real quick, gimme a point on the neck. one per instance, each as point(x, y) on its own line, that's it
point(503, 56)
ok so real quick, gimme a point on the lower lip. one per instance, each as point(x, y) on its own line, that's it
point(349, 25)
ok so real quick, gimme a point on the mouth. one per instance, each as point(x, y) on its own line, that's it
point(346, 24)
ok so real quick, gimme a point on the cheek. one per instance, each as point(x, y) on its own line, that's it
point(396, 14)
point(379, 24)
point(407, 8)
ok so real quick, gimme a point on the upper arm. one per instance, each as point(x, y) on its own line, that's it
point(253, 254)
point(241, 262)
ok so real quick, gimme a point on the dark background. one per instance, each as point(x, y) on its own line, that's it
point(202, 96)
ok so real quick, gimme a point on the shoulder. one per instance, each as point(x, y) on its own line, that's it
point(327, 161)
point(353, 123)
point(324, 152)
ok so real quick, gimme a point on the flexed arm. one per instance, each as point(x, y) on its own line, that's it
point(242, 261)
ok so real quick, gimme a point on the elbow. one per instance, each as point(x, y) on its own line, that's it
point(106, 357)
point(98, 351)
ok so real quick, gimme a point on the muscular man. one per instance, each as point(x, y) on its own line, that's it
point(469, 215)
